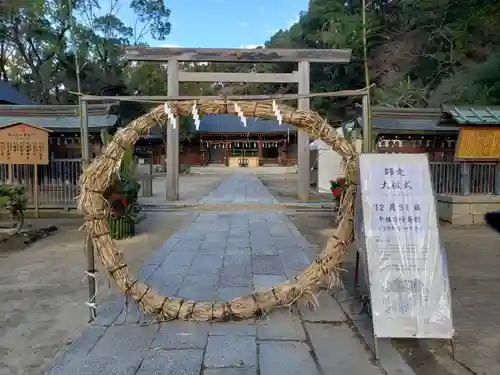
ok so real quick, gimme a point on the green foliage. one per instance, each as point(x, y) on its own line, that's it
point(36, 50)
point(121, 227)
point(406, 94)
point(129, 187)
point(127, 184)
point(13, 197)
point(420, 52)
point(128, 164)
point(479, 84)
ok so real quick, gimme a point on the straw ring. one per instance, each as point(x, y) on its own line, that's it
point(302, 289)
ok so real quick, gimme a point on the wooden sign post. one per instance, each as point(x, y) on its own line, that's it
point(23, 144)
point(405, 263)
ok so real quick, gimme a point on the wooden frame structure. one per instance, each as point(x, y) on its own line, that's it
point(175, 55)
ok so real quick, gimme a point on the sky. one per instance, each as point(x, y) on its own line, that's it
point(225, 23)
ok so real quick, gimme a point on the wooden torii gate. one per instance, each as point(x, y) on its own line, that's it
point(175, 55)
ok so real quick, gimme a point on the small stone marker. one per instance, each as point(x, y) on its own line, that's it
point(400, 248)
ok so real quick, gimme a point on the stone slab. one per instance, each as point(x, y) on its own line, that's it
point(98, 365)
point(286, 358)
point(198, 292)
point(280, 325)
point(388, 357)
point(230, 371)
point(131, 314)
point(340, 351)
point(242, 328)
point(125, 339)
point(264, 282)
point(231, 351)
point(206, 264)
point(267, 265)
point(228, 293)
point(181, 335)
point(81, 346)
point(108, 311)
point(235, 278)
point(329, 310)
point(172, 362)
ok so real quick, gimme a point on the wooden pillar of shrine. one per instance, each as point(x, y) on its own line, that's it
point(260, 153)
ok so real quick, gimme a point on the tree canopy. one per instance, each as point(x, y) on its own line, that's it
point(420, 52)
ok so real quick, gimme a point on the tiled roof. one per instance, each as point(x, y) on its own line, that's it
point(232, 124)
point(51, 110)
point(56, 117)
point(474, 115)
point(10, 95)
point(407, 125)
point(408, 120)
point(60, 123)
point(407, 113)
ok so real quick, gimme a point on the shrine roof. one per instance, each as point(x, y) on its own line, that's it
point(60, 123)
point(473, 115)
point(9, 94)
point(388, 120)
point(410, 125)
point(232, 124)
point(4, 126)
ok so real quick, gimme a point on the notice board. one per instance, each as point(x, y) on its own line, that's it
point(406, 265)
point(24, 144)
point(478, 143)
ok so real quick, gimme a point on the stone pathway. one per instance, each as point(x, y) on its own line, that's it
point(219, 256)
point(240, 188)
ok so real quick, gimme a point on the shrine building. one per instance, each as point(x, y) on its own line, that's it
point(463, 146)
point(414, 130)
point(64, 123)
point(224, 140)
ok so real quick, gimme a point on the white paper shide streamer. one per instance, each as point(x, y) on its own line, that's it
point(240, 114)
point(277, 113)
point(196, 116)
point(170, 115)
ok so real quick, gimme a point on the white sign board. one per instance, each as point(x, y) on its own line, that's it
point(329, 165)
point(409, 287)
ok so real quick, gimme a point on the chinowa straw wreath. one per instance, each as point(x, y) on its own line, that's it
point(302, 290)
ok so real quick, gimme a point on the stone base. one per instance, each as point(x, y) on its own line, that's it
point(466, 210)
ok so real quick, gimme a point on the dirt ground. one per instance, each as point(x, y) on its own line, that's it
point(43, 290)
point(473, 261)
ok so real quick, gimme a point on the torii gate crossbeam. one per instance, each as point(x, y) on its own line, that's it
point(175, 55)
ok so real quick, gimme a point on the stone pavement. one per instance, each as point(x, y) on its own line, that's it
point(219, 256)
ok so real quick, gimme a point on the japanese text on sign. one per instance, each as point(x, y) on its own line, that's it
point(396, 185)
point(23, 144)
point(408, 281)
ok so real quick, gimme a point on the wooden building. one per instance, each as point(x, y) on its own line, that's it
point(64, 122)
point(414, 130)
point(223, 140)
point(479, 132)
